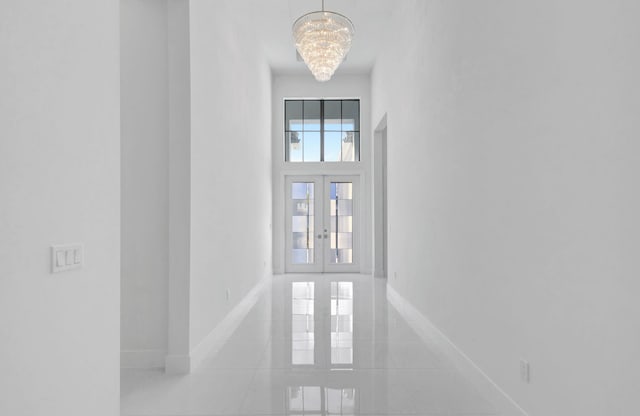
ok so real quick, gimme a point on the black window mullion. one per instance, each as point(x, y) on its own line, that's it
point(286, 147)
point(341, 133)
point(321, 130)
point(287, 143)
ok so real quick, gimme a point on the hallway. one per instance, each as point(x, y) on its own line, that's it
point(319, 344)
point(145, 149)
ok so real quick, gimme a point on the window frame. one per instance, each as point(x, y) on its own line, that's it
point(356, 130)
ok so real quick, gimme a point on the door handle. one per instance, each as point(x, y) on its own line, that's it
point(319, 236)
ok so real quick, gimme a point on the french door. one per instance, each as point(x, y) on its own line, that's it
point(322, 223)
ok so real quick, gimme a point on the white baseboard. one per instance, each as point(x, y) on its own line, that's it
point(433, 336)
point(182, 364)
point(142, 359)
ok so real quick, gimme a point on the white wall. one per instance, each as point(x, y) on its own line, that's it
point(179, 183)
point(513, 177)
point(197, 165)
point(59, 183)
point(305, 86)
point(230, 161)
point(145, 182)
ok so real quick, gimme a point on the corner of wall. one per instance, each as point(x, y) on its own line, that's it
point(177, 364)
point(216, 339)
point(142, 359)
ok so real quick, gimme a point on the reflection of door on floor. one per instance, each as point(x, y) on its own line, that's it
point(323, 343)
point(321, 226)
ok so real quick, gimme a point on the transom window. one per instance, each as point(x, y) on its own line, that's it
point(322, 130)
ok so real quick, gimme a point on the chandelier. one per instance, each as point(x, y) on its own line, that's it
point(323, 39)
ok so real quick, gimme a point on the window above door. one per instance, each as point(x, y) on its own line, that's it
point(322, 130)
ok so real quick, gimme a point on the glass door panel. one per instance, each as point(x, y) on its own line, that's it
point(302, 222)
point(304, 250)
point(341, 222)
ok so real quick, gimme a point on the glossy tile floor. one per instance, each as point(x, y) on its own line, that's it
point(313, 345)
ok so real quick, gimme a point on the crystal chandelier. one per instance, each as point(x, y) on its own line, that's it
point(323, 39)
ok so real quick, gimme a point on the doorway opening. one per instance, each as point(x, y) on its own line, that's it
point(322, 223)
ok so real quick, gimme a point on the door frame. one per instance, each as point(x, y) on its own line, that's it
point(380, 200)
point(323, 266)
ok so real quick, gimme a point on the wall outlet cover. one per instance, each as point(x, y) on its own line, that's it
point(525, 371)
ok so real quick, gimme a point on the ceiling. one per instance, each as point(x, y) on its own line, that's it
point(274, 19)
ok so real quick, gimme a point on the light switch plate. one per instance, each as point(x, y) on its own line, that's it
point(66, 257)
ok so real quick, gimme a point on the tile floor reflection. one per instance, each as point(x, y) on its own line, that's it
point(313, 345)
